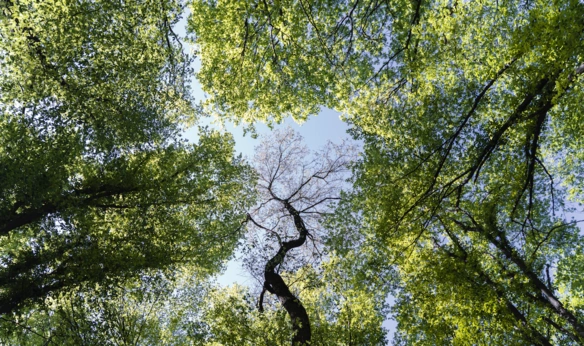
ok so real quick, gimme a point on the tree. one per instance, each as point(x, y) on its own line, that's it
point(295, 190)
point(469, 113)
point(95, 184)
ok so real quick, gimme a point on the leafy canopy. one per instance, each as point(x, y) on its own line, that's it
point(95, 183)
point(470, 115)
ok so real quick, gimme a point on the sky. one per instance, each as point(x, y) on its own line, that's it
point(317, 131)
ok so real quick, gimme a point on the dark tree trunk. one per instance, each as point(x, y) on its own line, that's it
point(295, 309)
point(276, 285)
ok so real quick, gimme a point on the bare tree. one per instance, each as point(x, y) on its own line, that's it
point(297, 188)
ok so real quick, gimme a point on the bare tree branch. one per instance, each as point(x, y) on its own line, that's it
point(297, 188)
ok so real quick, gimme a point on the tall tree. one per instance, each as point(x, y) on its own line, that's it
point(295, 190)
point(470, 113)
point(95, 184)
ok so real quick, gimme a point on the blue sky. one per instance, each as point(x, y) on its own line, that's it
point(317, 131)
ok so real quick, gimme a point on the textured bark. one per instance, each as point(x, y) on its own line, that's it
point(296, 311)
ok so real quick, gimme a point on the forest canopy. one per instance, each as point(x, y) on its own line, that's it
point(96, 185)
point(470, 113)
point(459, 219)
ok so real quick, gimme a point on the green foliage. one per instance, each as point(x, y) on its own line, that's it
point(95, 183)
point(470, 115)
point(156, 309)
point(177, 309)
point(340, 312)
point(110, 72)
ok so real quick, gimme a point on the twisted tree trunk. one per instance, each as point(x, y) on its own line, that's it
point(276, 285)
